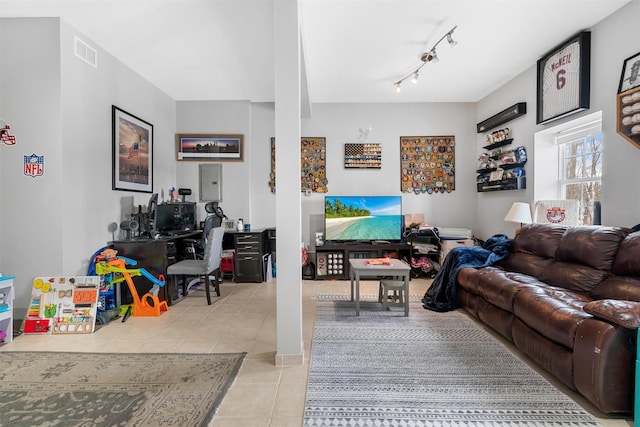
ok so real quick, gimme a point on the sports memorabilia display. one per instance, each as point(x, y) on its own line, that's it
point(563, 79)
point(427, 164)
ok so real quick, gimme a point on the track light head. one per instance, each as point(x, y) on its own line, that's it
point(451, 41)
point(428, 56)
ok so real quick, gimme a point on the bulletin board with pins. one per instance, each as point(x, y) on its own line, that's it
point(313, 170)
point(427, 164)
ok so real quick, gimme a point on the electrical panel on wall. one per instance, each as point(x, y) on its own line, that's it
point(211, 183)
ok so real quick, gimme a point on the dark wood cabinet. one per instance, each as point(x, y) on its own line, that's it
point(250, 256)
point(332, 259)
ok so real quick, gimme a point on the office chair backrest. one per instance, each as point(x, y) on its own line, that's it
point(213, 249)
point(211, 221)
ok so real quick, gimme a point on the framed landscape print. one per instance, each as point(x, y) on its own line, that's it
point(209, 147)
point(132, 152)
point(563, 83)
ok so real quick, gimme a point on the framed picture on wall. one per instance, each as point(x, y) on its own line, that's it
point(132, 152)
point(563, 85)
point(209, 147)
point(630, 77)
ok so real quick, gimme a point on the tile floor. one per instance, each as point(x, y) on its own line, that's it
point(243, 319)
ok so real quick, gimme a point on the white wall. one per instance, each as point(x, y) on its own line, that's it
point(60, 107)
point(340, 124)
point(612, 40)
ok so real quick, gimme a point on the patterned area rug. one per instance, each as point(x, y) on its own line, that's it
point(113, 389)
point(428, 369)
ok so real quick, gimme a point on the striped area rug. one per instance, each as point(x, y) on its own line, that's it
point(428, 369)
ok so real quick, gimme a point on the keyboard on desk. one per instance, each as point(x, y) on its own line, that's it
point(175, 233)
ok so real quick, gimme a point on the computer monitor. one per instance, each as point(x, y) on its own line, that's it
point(171, 217)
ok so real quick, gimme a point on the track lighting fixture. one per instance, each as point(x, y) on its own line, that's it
point(428, 56)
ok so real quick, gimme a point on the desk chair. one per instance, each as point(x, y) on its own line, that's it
point(208, 266)
point(213, 219)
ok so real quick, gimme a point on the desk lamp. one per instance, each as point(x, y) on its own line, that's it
point(520, 212)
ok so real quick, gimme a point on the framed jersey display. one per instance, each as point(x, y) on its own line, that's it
point(564, 79)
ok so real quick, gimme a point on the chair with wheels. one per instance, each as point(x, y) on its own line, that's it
point(214, 218)
point(203, 269)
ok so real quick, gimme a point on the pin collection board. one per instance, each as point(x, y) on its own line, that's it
point(313, 169)
point(427, 164)
point(362, 156)
point(63, 305)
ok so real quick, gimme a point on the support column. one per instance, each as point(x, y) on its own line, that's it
point(290, 349)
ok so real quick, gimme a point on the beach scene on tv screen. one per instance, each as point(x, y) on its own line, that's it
point(363, 218)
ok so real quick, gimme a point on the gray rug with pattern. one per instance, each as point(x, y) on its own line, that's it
point(113, 389)
point(428, 369)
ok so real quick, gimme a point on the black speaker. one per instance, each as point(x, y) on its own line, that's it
point(597, 213)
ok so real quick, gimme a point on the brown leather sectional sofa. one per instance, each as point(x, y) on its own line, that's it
point(569, 298)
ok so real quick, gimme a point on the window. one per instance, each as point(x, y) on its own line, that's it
point(580, 162)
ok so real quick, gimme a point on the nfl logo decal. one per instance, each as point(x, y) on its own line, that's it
point(34, 165)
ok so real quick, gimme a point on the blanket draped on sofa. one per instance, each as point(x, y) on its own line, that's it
point(441, 295)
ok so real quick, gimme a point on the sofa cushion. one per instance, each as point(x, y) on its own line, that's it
point(626, 262)
point(618, 287)
point(553, 312)
point(534, 248)
point(575, 277)
point(593, 246)
point(622, 313)
point(494, 284)
point(584, 257)
point(539, 239)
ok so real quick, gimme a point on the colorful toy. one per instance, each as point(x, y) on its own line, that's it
point(114, 269)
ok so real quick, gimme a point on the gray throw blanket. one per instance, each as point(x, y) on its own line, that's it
point(441, 296)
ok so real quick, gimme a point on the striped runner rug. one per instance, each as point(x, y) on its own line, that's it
point(428, 369)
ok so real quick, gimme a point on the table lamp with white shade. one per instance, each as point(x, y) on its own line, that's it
point(520, 212)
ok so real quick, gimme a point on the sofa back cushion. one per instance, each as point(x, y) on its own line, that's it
point(539, 239)
point(627, 262)
point(593, 246)
point(625, 282)
point(584, 257)
point(534, 248)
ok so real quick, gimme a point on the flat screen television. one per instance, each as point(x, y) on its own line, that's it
point(362, 218)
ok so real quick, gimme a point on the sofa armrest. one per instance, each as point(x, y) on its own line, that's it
point(618, 312)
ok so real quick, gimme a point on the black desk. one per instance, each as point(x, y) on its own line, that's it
point(154, 255)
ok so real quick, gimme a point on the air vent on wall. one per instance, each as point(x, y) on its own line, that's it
point(85, 52)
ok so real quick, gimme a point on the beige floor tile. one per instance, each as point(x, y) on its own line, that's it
point(242, 320)
point(257, 371)
point(249, 400)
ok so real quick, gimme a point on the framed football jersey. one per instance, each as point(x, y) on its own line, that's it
point(564, 79)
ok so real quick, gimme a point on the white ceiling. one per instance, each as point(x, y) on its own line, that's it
point(354, 49)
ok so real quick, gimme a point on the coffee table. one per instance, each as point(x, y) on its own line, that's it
point(359, 268)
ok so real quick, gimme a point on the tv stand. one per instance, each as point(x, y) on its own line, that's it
point(332, 259)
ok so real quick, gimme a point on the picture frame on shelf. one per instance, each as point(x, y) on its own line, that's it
point(209, 147)
point(132, 152)
point(630, 77)
point(563, 79)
